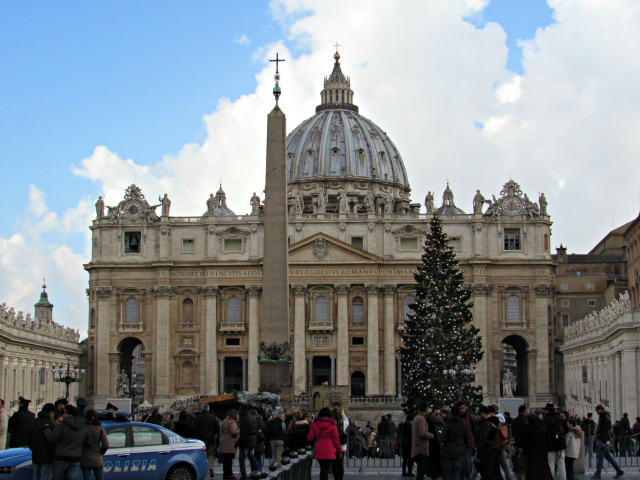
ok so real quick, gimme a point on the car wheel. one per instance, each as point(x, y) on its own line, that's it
point(181, 472)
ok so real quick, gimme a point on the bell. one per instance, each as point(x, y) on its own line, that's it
point(134, 241)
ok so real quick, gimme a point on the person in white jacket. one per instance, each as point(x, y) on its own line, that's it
point(574, 444)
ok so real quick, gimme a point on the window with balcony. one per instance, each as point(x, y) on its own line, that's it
point(408, 300)
point(234, 310)
point(321, 309)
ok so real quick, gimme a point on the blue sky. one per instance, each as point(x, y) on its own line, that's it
point(182, 88)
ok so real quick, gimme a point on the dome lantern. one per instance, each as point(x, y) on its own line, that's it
point(337, 91)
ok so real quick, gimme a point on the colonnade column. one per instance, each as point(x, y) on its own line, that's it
point(343, 335)
point(309, 372)
point(244, 374)
point(252, 377)
point(389, 341)
point(221, 378)
point(299, 339)
point(618, 385)
point(162, 356)
point(210, 296)
point(101, 374)
point(373, 340)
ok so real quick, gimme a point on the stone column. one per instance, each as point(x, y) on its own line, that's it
point(209, 296)
point(162, 356)
point(389, 341)
point(221, 378)
point(373, 339)
point(618, 385)
point(543, 372)
point(398, 376)
point(342, 336)
point(309, 372)
point(333, 370)
point(532, 355)
point(299, 339)
point(480, 293)
point(244, 373)
point(630, 377)
point(253, 378)
point(101, 374)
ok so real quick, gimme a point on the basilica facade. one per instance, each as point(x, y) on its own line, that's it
point(182, 295)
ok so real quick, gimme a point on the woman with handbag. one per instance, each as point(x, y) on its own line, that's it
point(229, 433)
point(92, 461)
point(327, 443)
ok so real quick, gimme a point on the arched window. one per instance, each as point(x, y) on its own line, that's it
point(513, 309)
point(408, 300)
point(187, 311)
point(92, 318)
point(187, 374)
point(321, 309)
point(233, 310)
point(357, 310)
point(131, 312)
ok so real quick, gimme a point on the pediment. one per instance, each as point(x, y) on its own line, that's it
point(322, 248)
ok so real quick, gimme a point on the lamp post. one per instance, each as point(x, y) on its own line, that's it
point(133, 391)
point(69, 376)
point(460, 376)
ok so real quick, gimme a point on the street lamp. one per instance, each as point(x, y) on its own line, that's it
point(69, 376)
point(133, 391)
point(460, 377)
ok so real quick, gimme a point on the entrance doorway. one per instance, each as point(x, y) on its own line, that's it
point(515, 358)
point(321, 370)
point(357, 384)
point(131, 360)
point(232, 374)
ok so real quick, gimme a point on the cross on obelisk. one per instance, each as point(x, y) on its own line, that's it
point(276, 89)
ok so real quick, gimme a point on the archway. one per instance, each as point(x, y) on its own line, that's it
point(131, 360)
point(515, 358)
point(321, 370)
point(358, 384)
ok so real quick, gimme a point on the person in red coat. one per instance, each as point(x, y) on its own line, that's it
point(325, 434)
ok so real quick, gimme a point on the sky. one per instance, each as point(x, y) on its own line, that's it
point(174, 96)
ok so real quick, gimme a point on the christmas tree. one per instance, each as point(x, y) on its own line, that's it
point(441, 346)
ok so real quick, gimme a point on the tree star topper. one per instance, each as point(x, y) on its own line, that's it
point(276, 90)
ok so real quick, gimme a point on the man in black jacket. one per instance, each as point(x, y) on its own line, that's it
point(276, 429)
point(519, 432)
point(41, 450)
point(72, 435)
point(247, 441)
point(19, 424)
point(452, 438)
point(208, 430)
point(625, 436)
point(603, 437)
point(557, 428)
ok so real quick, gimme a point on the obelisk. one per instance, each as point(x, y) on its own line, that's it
point(275, 292)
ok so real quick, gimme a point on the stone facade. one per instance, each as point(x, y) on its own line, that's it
point(601, 360)
point(189, 289)
point(29, 348)
point(632, 243)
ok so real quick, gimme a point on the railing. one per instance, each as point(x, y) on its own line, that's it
point(298, 469)
point(624, 449)
point(377, 399)
point(232, 327)
point(382, 453)
point(321, 326)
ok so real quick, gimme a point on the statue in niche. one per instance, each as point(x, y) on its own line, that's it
point(508, 383)
point(370, 202)
point(478, 202)
point(122, 381)
point(428, 202)
point(543, 204)
point(321, 202)
point(166, 205)
point(211, 205)
point(343, 203)
point(255, 204)
point(100, 207)
point(298, 202)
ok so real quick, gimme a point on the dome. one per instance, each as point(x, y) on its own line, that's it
point(217, 206)
point(448, 205)
point(338, 143)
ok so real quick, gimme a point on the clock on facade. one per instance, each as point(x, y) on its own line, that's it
point(512, 205)
point(133, 209)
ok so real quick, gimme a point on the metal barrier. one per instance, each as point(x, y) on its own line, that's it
point(386, 452)
point(298, 469)
point(629, 443)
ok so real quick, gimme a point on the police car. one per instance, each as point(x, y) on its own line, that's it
point(140, 451)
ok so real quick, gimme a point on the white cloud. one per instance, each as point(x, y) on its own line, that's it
point(511, 91)
point(243, 40)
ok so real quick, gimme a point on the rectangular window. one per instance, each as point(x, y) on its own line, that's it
point(456, 244)
point(233, 342)
point(357, 242)
point(512, 239)
point(564, 303)
point(188, 245)
point(132, 242)
point(409, 244)
point(358, 313)
point(591, 303)
point(565, 320)
point(357, 340)
point(233, 245)
point(564, 286)
point(591, 286)
point(585, 377)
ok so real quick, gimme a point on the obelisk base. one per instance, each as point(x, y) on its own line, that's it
point(274, 376)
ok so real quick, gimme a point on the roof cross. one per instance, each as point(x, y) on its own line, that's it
point(277, 60)
point(337, 46)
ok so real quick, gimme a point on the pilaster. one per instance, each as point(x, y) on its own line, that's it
point(101, 370)
point(253, 377)
point(163, 294)
point(299, 339)
point(389, 341)
point(209, 295)
point(343, 335)
point(373, 341)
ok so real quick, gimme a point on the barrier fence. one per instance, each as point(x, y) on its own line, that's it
point(623, 448)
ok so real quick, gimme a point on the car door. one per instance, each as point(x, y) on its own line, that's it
point(117, 460)
point(150, 453)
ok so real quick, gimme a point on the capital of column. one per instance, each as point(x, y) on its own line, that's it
point(163, 291)
point(342, 290)
point(372, 289)
point(544, 290)
point(481, 289)
point(253, 290)
point(209, 291)
point(244, 357)
point(333, 358)
point(389, 290)
point(299, 290)
point(104, 292)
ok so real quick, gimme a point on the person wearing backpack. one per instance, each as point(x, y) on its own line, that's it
point(453, 438)
point(486, 461)
point(557, 429)
point(501, 442)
